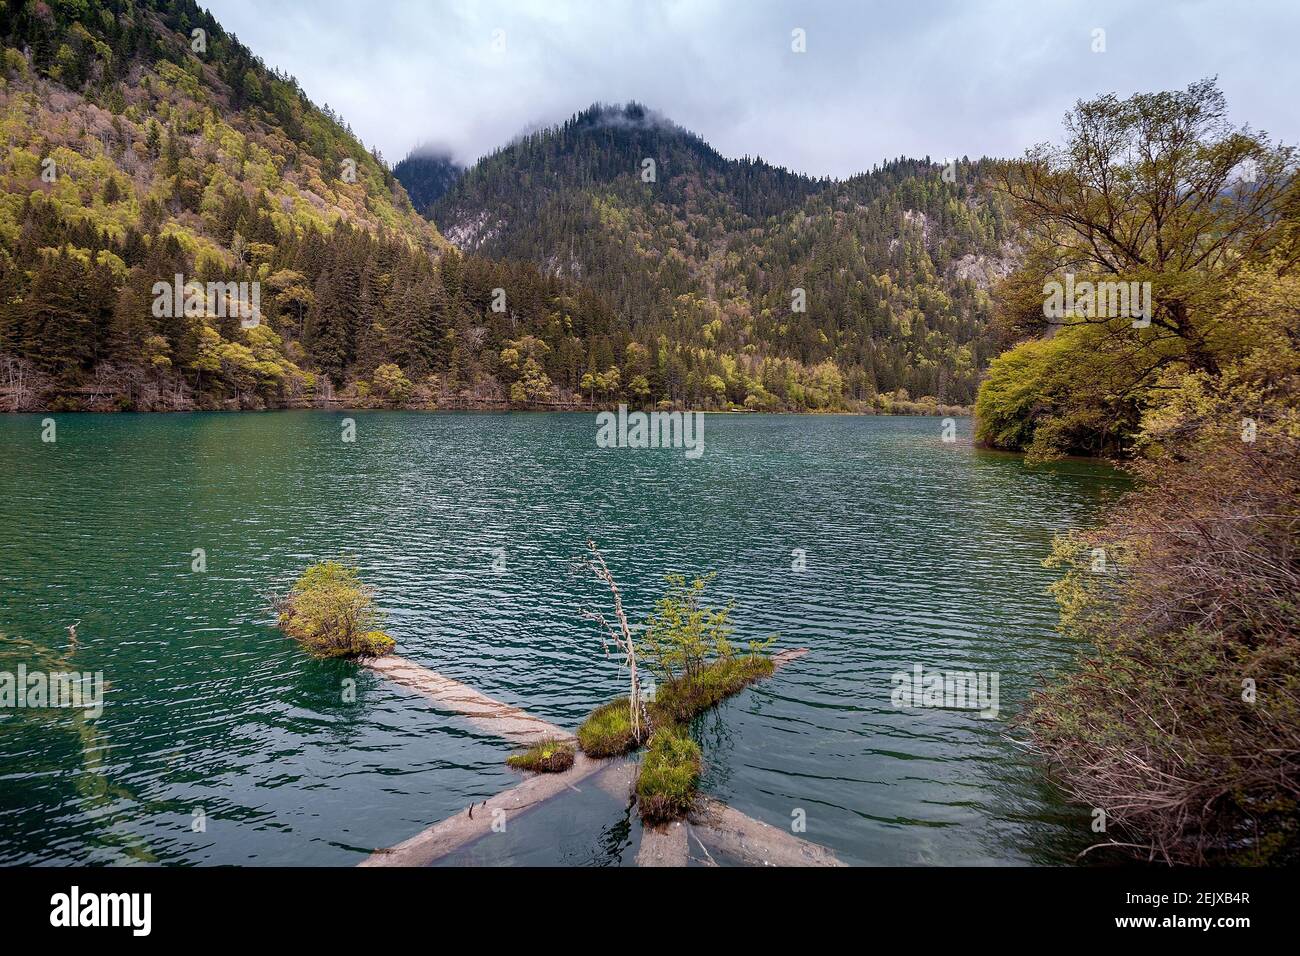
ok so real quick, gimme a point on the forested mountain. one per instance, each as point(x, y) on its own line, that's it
point(144, 142)
point(614, 258)
point(427, 177)
point(704, 256)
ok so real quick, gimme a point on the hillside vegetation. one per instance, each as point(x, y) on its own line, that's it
point(745, 283)
point(144, 142)
point(1181, 728)
point(427, 176)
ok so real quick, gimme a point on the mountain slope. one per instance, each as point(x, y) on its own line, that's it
point(708, 253)
point(146, 143)
point(427, 177)
point(118, 71)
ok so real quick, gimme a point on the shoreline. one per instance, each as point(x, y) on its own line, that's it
point(1078, 459)
point(957, 413)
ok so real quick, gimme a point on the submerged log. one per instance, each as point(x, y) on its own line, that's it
point(714, 823)
point(781, 658)
point(664, 845)
point(469, 825)
point(618, 779)
point(752, 841)
point(491, 716)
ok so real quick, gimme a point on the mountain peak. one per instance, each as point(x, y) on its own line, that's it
point(631, 115)
point(426, 174)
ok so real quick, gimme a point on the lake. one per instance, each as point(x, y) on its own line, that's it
point(868, 540)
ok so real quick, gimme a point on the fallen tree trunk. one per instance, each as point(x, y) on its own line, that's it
point(492, 716)
point(455, 832)
point(751, 841)
point(714, 823)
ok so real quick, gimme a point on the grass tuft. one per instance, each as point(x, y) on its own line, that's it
point(549, 756)
point(665, 787)
point(679, 700)
point(607, 731)
point(374, 644)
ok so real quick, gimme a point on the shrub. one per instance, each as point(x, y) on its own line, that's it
point(549, 756)
point(391, 384)
point(665, 787)
point(1184, 725)
point(332, 613)
point(372, 644)
point(689, 648)
point(1066, 395)
point(1011, 396)
point(680, 635)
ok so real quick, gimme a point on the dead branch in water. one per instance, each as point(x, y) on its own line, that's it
point(622, 637)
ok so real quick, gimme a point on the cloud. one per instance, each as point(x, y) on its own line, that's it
point(431, 149)
point(940, 78)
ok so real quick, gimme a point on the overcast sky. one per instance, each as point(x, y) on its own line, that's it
point(878, 80)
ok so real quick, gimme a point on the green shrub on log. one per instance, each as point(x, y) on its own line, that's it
point(332, 614)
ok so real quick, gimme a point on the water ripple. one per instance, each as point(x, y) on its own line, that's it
point(916, 551)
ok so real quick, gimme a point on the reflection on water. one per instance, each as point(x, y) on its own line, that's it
point(916, 551)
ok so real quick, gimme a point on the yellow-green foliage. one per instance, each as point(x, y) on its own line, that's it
point(1170, 212)
point(255, 365)
point(389, 383)
point(688, 647)
point(681, 634)
point(15, 62)
point(1070, 394)
point(1080, 391)
point(332, 613)
point(1012, 393)
point(229, 150)
point(102, 258)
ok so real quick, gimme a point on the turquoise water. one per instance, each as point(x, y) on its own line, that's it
point(915, 551)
